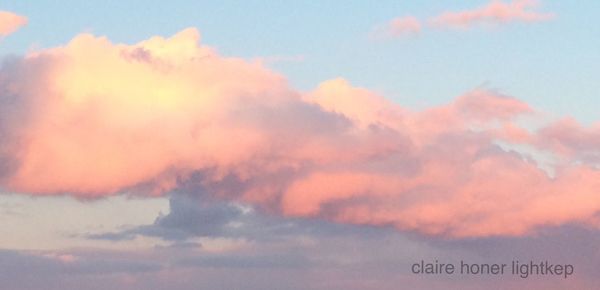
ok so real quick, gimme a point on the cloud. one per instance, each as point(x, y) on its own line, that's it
point(188, 218)
point(93, 118)
point(495, 12)
point(125, 95)
point(572, 140)
point(10, 22)
point(400, 26)
point(196, 216)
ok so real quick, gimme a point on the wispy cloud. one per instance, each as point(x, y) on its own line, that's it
point(397, 27)
point(495, 12)
point(10, 22)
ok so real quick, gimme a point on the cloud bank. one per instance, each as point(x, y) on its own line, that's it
point(10, 22)
point(93, 118)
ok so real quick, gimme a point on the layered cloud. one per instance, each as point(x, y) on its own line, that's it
point(495, 12)
point(10, 22)
point(351, 258)
point(93, 118)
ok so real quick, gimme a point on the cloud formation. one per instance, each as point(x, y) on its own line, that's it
point(495, 12)
point(10, 22)
point(93, 118)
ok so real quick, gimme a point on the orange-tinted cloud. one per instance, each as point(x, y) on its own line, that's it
point(10, 22)
point(495, 12)
point(94, 118)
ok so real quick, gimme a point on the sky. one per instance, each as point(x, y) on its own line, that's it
point(307, 145)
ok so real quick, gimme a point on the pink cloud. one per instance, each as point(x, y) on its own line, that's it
point(448, 183)
point(93, 118)
point(10, 22)
point(401, 26)
point(495, 12)
point(572, 140)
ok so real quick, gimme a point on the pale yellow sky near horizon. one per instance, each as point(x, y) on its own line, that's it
point(53, 223)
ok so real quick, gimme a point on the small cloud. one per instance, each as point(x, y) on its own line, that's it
point(398, 27)
point(404, 25)
point(10, 22)
point(495, 12)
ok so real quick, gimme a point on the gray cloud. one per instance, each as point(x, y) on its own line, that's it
point(196, 216)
